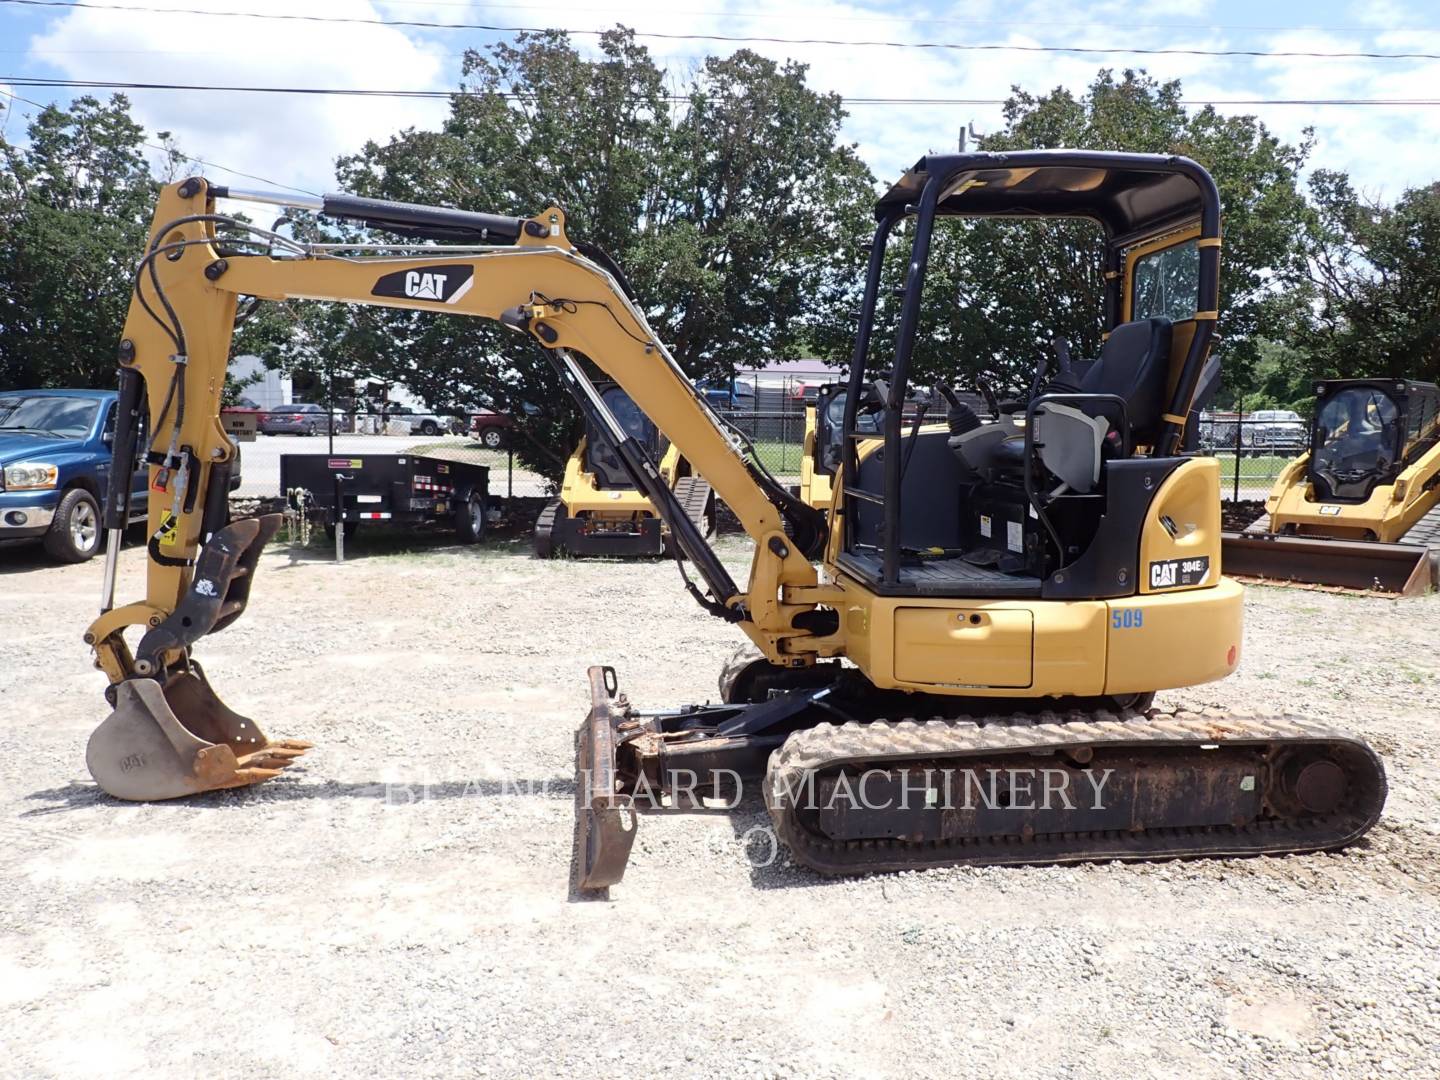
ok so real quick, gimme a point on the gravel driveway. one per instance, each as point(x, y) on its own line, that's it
point(399, 903)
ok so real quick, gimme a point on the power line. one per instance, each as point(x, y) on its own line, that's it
point(342, 91)
point(739, 39)
point(170, 150)
point(928, 20)
point(829, 16)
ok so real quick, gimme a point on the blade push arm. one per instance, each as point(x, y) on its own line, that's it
point(525, 274)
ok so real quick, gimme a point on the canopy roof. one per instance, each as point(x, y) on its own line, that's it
point(1130, 195)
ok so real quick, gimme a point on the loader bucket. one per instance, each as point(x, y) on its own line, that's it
point(179, 738)
point(1393, 569)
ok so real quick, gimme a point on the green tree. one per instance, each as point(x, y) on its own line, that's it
point(1376, 308)
point(726, 208)
point(1281, 379)
point(75, 207)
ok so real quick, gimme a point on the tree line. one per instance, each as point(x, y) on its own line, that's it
point(741, 218)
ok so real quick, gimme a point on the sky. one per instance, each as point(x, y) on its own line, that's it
point(293, 141)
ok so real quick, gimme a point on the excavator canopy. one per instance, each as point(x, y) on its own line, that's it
point(1129, 195)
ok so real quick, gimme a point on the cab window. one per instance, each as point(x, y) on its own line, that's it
point(1167, 283)
point(1423, 420)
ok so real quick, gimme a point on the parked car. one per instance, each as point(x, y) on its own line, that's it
point(807, 390)
point(423, 423)
point(490, 428)
point(299, 418)
point(55, 467)
point(1278, 428)
point(727, 394)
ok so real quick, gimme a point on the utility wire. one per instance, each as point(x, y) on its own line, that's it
point(828, 16)
point(744, 39)
point(340, 91)
point(171, 150)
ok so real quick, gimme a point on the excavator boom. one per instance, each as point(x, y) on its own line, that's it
point(521, 272)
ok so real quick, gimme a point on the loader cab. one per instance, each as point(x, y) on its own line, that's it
point(1366, 432)
point(1046, 492)
point(830, 426)
point(601, 461)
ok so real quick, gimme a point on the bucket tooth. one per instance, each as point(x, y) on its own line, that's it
point(176, 739)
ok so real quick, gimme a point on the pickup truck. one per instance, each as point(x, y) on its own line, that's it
point(55, 454)
point(423, 423)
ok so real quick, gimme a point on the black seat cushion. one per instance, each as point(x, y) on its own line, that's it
point(1134, 365)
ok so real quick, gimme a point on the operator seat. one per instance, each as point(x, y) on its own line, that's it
point(1134, 365)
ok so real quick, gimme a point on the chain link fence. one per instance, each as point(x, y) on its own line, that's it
point(770, 411)
point(1252, 449)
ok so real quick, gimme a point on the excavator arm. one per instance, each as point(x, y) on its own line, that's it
point(169, 734)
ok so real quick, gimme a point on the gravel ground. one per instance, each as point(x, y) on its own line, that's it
point(399, 903)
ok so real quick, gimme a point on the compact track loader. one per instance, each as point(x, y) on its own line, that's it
point(600, 511)
point(1361, 508)
point(1007, 591)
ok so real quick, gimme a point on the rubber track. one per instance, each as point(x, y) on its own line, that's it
point(881, 743)
point(1426, 531)
point(1260, 526)
point(693, 494)
point(545, 530)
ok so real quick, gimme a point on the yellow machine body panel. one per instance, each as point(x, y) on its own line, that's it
point(580, 493)
point(1189, 557)
point(1044, 648)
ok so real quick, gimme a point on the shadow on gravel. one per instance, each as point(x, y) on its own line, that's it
point(767, 857)
point(78, 796)
point(28, 556)
point(24, 557)
point(393, 543)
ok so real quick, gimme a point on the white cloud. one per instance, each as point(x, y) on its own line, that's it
point(295, 139)
point(1384, 148)
point(292, 138)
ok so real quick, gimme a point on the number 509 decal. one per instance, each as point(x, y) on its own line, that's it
point(1127, 618)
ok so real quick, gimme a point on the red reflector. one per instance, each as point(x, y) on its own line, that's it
point(1230, 656)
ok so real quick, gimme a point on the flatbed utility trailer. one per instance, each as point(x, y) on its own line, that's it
point(407, 489)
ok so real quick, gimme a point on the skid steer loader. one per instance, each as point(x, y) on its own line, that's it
point(600, 511)
point(820, 446)
point(1361, 508)
point(1006, 593)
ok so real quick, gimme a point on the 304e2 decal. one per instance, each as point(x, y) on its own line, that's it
point(1178, 573)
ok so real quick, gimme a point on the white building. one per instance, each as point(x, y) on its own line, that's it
point(270, 391)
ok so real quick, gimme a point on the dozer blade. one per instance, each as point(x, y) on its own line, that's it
point(606, 817)
point(1395, 569)
point(162, 742)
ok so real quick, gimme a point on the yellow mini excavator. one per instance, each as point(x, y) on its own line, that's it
point(1361, 508)
point(600, 511)
point(966, 676)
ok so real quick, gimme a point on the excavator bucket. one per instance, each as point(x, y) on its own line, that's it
point(145, 751)
point(1393, 569)
point(170, 734)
